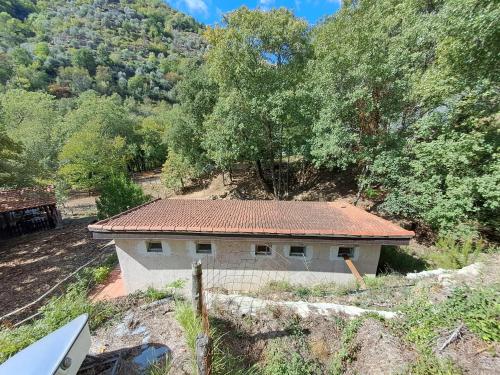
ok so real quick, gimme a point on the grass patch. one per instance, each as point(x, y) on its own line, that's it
point(347, 349)
point(162, 368)
point(455, 254)
point(290, 356)
point(62, 309)
point(422, 322)
point(223, 362)
point(153, 294)
point(57, 312)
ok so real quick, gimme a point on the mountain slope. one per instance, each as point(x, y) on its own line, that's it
point(133, 48)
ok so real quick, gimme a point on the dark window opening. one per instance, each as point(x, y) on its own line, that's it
point(155, 247)
point(263, 250)
point(346, 251)
point(203, 248)
point(297, 251)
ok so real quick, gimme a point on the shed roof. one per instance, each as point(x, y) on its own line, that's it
point(21, 199)
point(246, 217)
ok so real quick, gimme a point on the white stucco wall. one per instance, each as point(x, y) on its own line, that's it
point(233, 265)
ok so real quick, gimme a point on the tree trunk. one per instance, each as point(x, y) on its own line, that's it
point(260, 173)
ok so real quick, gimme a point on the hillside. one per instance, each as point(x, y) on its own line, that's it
point(134, 48)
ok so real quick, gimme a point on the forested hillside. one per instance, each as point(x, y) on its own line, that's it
point(402, 94)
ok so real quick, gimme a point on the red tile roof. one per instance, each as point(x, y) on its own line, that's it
point(20, 199)
point(296, 218)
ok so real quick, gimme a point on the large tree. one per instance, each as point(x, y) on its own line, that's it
point(258, 60)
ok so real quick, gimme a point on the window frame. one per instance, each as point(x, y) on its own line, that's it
point(165, 248)
point(308, 251)
point(334, 252)
point(203, 252)
point(193, 245)
point(269, 245)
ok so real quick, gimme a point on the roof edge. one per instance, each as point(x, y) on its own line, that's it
point(103, 221)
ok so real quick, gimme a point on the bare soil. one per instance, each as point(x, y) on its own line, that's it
point(32, 264)
point(379, 351)
point(145, 328)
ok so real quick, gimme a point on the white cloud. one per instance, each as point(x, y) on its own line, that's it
point(266, 2)
point(197, 6)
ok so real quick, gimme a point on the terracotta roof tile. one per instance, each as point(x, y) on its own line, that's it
point(246, 217)
point(20, 199)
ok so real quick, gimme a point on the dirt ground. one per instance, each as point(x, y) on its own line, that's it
point(145, 333)
point(32, 264)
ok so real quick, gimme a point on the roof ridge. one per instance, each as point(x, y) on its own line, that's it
point(100, 222)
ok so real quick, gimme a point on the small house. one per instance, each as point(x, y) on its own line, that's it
point(27, 210)
point(247, 241)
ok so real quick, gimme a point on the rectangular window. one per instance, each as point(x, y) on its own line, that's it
point(203, 248)
point(263, 250)
point(346, 251)
point(154, 247)
point(297, 251)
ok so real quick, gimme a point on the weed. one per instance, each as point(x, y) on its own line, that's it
point(177, 284)
point(101, 273)
point(223, 362)
point(347, 349)
point(162, 368)
point(279, 286)
point(279, 361)
point(152, 294)
point(456, 254)
point(57, 312)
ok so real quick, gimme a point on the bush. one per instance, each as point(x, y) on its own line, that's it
point(119, 194)
point(456, 254)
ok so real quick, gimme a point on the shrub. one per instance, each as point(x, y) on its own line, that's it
point(119, 194)
point(456, 254)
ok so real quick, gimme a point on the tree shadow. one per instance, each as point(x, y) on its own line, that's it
point(396, 259)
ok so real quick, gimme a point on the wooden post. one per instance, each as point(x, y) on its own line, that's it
point(203, 354)
point(197, 288)
point(354, 271)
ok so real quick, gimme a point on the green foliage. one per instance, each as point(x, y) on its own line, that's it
point(278, 361)
point(456, 254)
point(478, 309)
point(153, 294)
point(32, 119)
point(177, 171)
point(90, 157)
point(10, 162)
point(101, 273)
point(258, 61)
point(118, 194)
point(57, 312)
point(170, 290)
point(347, 349)
point(191, 324)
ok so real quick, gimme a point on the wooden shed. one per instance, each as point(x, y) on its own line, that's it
point(27, 210)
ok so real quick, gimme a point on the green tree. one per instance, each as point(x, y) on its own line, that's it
point(10, 161)
point(119, 194)
point(76, 78)
point(260, 58)
point(90, 157)
point(176, 171)
point(32, 119)
point(84, 58)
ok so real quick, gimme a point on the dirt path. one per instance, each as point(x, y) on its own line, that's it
point(32, 264)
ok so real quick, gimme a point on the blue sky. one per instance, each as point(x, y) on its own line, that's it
point(210, 11)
